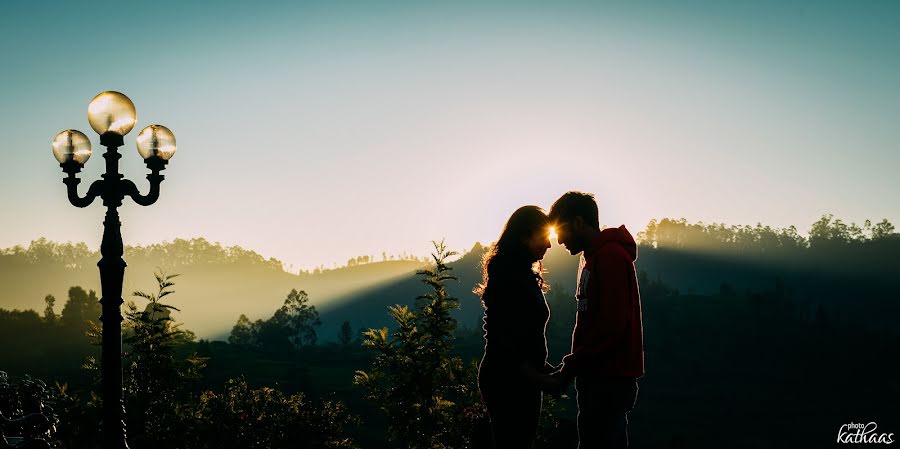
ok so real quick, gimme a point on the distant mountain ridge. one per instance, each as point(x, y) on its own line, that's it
point(217, 284)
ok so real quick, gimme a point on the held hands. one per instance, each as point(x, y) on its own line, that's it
point(548, 378)
point(554, 384)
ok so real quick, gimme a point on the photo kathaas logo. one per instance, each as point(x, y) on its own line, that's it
point(863, 433)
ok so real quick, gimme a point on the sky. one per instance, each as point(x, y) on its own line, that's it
point(318, 131)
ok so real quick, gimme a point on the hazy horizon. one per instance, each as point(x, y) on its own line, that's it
point(370, 127)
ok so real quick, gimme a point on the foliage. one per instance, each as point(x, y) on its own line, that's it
point(671, 233)
point(19, 319)
point(199, 251)
point(429, 396)
point(345, 335)
point(43, 251)
point(299, 318)
point(27, 401)
point(177, 254)
point(247, 418)
point(828, 230)
point(78, 417)
point(291, 327)
point(238, 417)
point(243, 332)
point(362, 260)
point(50, 314)
point(164, 405)
point(81, 309)
point(156, 379)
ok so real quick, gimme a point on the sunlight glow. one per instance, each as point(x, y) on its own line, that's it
point(552, 234)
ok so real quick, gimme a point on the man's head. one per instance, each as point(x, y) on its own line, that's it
point(575, 219)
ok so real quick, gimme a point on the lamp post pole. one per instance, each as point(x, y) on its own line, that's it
point(112, 115)
point(112, 273)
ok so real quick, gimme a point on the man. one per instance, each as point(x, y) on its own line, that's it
point(607, 354)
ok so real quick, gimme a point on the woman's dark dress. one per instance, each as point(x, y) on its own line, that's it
point(515, 318)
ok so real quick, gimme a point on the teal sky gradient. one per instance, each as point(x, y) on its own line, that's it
point(318, 131)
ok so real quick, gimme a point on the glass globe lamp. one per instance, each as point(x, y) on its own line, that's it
point(71, 145)
point(112, 112)
point(156, 140)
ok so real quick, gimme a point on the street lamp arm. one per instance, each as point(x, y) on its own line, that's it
point(156, 165)
point(94, 191)
point(151, 197)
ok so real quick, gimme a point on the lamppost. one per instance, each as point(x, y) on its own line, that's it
point(112, 116)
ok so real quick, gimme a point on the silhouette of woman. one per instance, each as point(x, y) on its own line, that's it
point(514, 368)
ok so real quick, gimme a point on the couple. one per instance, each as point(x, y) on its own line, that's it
point(607, 355)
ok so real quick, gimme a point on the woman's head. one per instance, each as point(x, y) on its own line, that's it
point(524, 241)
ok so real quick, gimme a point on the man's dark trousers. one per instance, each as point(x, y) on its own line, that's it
point(603, 406)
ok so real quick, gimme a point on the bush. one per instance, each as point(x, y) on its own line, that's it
point(430, 398)
point(247, 418)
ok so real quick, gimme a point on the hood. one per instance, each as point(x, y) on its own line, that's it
point(617, 236)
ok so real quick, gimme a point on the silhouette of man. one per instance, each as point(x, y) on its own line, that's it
point(607, 354)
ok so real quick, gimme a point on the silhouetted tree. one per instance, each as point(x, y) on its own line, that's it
point(242, 333)
point(50, 314)
point(828, 230)
point(272, 336)
point(82, 306)
point(291, 327)
point(299, 318)
point(883, 229)
point(345, 335)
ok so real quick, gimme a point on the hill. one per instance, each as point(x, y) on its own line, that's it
point(217, 284)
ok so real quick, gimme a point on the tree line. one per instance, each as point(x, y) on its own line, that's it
point(678, 233)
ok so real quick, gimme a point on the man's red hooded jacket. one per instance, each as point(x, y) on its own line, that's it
point(608, 339)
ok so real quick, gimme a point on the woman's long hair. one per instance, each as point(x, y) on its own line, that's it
point(510, 254)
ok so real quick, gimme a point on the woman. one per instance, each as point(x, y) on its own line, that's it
point(514, 367)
